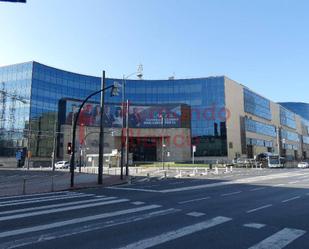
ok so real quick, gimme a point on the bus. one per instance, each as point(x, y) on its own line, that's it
point(269, 160)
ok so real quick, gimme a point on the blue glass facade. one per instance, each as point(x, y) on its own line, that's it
point(260, 128)
point(256, 105)
point(289, 135)
point(287, 118)
point(15, 87)
point(306, 139)
point(302, 109)
point(44, 86)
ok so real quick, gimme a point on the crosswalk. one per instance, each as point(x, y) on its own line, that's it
point(28, 221)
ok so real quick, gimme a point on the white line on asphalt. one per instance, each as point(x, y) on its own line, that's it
point(291, 199)
point(57, 210)
point(280, 239)
point(38, 194)
point(194, 200)
point(36, 198)
point(46, 200)
point(75, 221)
point(277, 185)
point(137, 203)
point(195, 214)
point(257, 189)
point(172, 235)
point(76, 230)
point(232, 193)
point(293, 182)
point(254, 225)
point(259, 208)
point(209, 185)
point(55, 205)
point(239, 181)
point(135, 189)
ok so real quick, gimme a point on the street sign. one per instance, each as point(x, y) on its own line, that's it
point(18, 155)
point(194, 148)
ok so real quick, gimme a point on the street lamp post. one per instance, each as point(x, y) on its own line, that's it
point(162, 138)
point(115, 91)
point(125, 122)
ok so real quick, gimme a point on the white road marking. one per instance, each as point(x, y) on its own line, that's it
point(55, 205)
point(49, 199)
point(138, 203)
point(232, 193)
point(57, 210)
point(217, 184)
point(68, 232)
point(280, 239)
point(135, 189)
point(194, 200)
point(291, 199)
point(293, 182)
point(36, 198)
point(254, 225)
point(259, 208)
point(75, 221)
point(172, 235)
point(277, 185)
point(38, 194)
point(195, 214)
point(257, 189)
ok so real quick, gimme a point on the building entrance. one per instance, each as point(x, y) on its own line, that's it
point(144, 149)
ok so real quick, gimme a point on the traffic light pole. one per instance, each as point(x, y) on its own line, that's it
point(101, 141)
point(72, 160)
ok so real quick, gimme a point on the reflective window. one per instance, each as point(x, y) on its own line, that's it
point(306, 140)
point(290, 146)
point(260, 128)
point(287, 118)
point(289, 135)
point(256, 105)
point(259, 142)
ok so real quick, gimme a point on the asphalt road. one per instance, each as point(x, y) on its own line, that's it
point(249, 208)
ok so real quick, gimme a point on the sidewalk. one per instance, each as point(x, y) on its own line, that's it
point(20, 181)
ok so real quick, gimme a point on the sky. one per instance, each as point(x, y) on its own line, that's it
point(262, 44)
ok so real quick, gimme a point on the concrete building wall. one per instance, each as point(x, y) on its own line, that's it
point(177, 141)
point(236, 136)
point(234, 102)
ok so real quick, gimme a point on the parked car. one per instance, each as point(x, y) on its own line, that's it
point(303, 165)
point(62, 165)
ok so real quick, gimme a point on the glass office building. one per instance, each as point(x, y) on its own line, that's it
point(302, 109)
point(30, 94)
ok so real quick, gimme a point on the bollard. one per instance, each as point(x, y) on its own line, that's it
point(165, 175)
point(216, 170)
point(24, 186)
point(206, 172)
point(231, 169)
point(148, 176)
point(52, 184)
point(226, 169)
point(136, 170)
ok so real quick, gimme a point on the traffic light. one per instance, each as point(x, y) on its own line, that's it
point(115, 89)
point(69, 148)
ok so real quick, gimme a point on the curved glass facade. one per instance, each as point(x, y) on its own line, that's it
point(44, 86)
